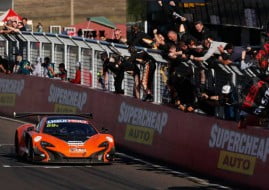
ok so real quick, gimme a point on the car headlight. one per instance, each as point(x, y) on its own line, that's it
point(37, 138)
point(110, 139)
point(46, 144)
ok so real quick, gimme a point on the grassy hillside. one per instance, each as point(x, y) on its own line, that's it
point(51, 12)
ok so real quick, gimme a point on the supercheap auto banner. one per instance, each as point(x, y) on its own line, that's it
point(197, 142)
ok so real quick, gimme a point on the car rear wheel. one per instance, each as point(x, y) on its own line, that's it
point(16, 144)
point(30, 154)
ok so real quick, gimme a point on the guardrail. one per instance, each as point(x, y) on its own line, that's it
point(70, 50)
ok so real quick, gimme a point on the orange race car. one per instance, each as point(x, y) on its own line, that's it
point(69, 138)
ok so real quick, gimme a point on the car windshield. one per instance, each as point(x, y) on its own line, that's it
point(69, 129)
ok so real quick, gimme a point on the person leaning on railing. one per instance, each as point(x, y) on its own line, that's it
point(10, 27)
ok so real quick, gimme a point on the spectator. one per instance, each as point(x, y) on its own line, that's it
point(26, 25)
point(62, 74)
point(3, 64)
point(170, 17)
point(185, 90)
point(118, 38)
point(263, 57)
point(149, 66)
point(173, 37)
point(48, 68)
point(77, 79)
point(255, 103)
point(131, 68)
point(138, 38)
point(37, 67)
point(159, 41)
point(248, 58)
point(21, 26)
point(39, 27)
point(226, 99)
point(79, 32)
point(9, 28)
point(25, 67)
point(201, 32)
point(115, 65)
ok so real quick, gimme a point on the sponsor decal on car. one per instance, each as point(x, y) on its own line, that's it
point(141, 123)
point(54, 121)
point(77, 150)
point(9, 89)
point(239, 151)
point(66, 100)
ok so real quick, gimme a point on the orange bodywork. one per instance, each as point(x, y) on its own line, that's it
point(98, 148)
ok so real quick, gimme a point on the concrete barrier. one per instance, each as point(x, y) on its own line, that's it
point(203, 144)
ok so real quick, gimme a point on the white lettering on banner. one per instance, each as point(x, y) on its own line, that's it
point(11, 86)
point(67, 97)
point(142, 117)
point(238, 142)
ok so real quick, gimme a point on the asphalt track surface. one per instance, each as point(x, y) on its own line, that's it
point(126, 173)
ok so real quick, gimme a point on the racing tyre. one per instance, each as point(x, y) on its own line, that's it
point(16, 145)
point(30, 154)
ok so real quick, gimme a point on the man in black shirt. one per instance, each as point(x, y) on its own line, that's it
point(115, 65)
point(201, 32)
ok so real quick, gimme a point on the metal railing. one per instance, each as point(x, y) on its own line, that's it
point(70, 50)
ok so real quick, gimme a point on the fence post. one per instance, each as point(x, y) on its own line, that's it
point(94, 78)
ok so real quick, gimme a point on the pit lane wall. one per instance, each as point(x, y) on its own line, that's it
point(202, 144)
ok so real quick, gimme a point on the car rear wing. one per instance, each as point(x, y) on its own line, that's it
point(29, 114)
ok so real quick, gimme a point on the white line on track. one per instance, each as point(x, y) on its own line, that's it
point(13, 120)
point(45, 167)
point(200, 181)
point(6, 145)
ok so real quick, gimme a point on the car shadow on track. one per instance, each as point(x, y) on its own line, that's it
point(148, 164)
point(194, 188)
point(9, 157)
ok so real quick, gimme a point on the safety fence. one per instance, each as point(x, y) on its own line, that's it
point(70, 50)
